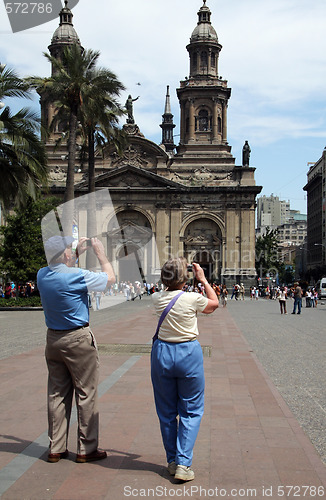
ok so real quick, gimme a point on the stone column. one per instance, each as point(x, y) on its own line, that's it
point(162, 235)
point(175, 224)
point(215, 122)
point(248, 245)
point(209, 65)
point(232, 250)
point(182, 122)
point(191, 121)
point(224, 122)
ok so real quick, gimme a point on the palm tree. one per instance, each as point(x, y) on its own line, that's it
point(100, 119)
point(76, 81)
point(22, 155)
point(100, 116)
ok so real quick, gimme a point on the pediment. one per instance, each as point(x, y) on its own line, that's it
point(131, 176)
point(139, 152)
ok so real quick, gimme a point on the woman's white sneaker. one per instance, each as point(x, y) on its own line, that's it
point(184, 473)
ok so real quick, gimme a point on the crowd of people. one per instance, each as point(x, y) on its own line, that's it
point(134, 290)
point(9, 290)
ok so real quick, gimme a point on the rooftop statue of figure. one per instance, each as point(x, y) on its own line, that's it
point(246, 154)
point(129, 108)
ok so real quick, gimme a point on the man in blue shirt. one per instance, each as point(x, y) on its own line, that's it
point(71, 351)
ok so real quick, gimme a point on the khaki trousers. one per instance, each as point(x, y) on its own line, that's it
point(73, 366)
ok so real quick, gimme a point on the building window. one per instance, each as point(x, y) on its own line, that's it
point(203, 121)
point(203, 57)
point(194, 61)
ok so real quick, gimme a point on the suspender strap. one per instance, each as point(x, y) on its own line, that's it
point(164, 313)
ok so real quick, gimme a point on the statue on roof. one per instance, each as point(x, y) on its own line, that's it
point(246, 154)
point(129, 108)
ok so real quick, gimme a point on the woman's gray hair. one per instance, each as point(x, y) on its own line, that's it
point(174, 272)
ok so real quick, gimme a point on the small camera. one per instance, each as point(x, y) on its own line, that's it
point(190, 269)
point(88, 243)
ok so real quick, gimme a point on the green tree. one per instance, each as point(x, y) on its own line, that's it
point(21, 250)
point(22, 154)
point(100, 115)
point(83, 93)
point(267, 254)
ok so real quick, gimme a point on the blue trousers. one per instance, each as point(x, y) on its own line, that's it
point(297, 303)
point(178, 381)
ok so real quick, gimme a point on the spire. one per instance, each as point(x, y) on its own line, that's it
point(167, 124)
point(167, 110)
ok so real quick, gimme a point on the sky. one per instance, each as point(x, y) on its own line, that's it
point(273, 57)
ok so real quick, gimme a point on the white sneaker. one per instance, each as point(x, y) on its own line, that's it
point(172, 468)
point(184, 473)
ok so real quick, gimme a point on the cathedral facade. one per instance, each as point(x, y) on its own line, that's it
point(191, 199)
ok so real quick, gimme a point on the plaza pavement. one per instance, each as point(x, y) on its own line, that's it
point(250, 443)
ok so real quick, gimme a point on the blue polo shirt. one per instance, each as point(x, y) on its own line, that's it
point(64, 296)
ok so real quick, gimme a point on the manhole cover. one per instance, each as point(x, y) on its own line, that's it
point(138, 349)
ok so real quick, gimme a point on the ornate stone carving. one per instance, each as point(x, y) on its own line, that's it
point(134, 156)
point(132, 129)
point(58, 174)
point(202, 175)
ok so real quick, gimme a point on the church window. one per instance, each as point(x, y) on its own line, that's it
point(203, 121)
point(213, 60)
point(203, 56)
point(194, 61)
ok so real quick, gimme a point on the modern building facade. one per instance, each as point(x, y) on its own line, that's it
point(192, 199)
point(316, 207)
point(271, 212)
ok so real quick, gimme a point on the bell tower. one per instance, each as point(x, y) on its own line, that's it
point(204, 95)
point(219, 232)
point(64, 36)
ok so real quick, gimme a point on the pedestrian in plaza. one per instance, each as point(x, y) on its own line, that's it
point(224, 295)
point(281, 295)
point(297, 298)
point(308, 298)
point(177, 364)
point(234, 289)
point(8, 291)
point(71, 351)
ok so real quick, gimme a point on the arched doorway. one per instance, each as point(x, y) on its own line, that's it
point(129, 243)
point(130, 266)
point(203, 244)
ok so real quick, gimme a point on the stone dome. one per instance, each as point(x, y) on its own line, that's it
point(204, 30)
point(65, 33)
